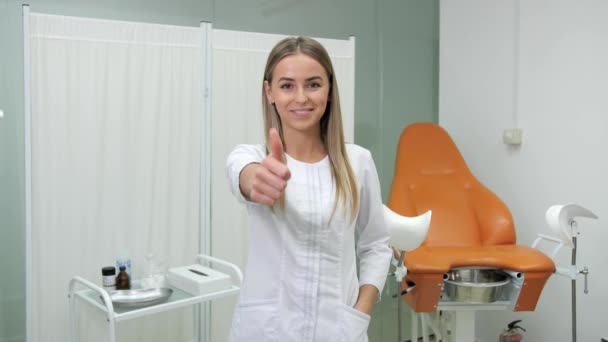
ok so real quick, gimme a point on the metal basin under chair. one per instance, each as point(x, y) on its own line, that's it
point(475, 285)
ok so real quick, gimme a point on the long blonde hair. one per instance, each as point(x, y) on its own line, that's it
point(332, 134)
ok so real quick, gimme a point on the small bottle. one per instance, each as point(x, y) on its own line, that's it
point(122, 280)
point(124, 259)
point(109, 277)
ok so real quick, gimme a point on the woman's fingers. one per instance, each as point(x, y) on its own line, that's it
point(268, 190)
point(270, 181)
point(261, 198)
point(277, 168)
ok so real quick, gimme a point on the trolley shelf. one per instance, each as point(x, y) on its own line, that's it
point(98, 297)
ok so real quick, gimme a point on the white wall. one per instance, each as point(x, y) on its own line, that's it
point(541, 65)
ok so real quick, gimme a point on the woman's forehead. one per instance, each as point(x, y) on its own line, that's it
point(299, 66)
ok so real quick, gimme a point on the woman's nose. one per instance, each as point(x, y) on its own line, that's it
point(301, 96)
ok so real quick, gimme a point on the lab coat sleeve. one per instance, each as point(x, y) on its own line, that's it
point(241, 156)
point(373, 244)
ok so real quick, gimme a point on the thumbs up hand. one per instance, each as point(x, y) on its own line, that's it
point(271, 176)
point(276, 145)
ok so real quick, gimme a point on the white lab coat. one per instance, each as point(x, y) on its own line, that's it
point(301, 279)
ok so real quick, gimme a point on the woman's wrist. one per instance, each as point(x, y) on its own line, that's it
point(365, 307)
point(245, 179)
point(367, 298)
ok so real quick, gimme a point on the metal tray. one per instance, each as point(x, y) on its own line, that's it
point(475, 284)
point(139, 298)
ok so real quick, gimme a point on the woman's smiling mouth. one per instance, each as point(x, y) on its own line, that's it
point(301, 112)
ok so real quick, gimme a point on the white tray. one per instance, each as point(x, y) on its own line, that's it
point(139, 298)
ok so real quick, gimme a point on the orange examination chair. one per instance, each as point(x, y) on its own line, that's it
point(470, 227)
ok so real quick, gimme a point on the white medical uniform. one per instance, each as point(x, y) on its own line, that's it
point(301, 280)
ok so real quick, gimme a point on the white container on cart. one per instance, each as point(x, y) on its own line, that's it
point(197, 279)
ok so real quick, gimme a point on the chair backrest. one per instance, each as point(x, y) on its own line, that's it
point(430, 173)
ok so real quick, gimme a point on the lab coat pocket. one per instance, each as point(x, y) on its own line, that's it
point(354, 324)
point(256, 321)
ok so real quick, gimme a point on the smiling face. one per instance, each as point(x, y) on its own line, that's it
point(299, 89)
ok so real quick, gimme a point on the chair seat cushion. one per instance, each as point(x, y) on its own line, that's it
point(512, 257)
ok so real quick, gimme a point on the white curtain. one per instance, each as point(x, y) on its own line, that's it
point(239, 59)
point(116, 158)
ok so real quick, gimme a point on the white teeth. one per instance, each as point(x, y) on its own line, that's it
point(301, 112)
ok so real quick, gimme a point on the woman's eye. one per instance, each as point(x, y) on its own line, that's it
point(315, 85)
point(285, 86)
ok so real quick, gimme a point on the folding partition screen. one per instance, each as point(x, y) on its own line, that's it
point(115, 161)
point(128, 126)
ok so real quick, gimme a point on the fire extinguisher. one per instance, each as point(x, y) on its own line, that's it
point(511, 334)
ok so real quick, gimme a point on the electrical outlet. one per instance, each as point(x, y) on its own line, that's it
point(513, 136)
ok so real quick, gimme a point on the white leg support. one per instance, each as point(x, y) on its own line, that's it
point(423, 330)
point(414, 327)
point(431, 321)
point(465, 326)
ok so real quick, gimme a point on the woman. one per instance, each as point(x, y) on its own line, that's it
point(307, 195)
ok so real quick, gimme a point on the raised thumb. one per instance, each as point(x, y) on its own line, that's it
point(276, 145)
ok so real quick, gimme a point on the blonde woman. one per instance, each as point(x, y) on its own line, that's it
point(307, 194)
